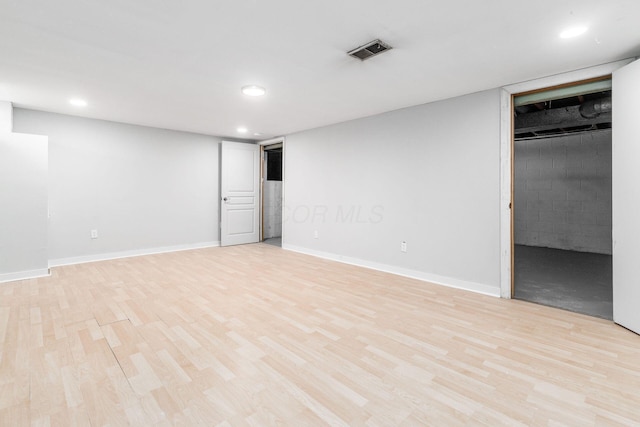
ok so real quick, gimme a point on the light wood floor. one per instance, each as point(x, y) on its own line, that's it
point(254, 335)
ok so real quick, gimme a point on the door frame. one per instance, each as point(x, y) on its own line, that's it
point(507, 155)
point(263, 144)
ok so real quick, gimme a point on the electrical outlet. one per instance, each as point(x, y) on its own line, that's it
point(94, 234)
point(315, 234)
point(403, 246)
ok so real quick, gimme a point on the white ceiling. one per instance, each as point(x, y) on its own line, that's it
point(180, 64)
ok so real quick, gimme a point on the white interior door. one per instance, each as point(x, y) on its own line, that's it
point(626, 197)
point(240, 193)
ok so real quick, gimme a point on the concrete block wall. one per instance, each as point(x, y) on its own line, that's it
point(272, 209)
point(563, 190)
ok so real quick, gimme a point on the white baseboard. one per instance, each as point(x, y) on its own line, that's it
point(413, 274)
point(128, 254)
point(23, 275)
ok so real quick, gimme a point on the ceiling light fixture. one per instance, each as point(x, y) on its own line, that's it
point(76, 102)
point(242, 129)
point(253, 90)
point(573, 32)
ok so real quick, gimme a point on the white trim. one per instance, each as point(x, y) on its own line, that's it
point(505, 151)
point(128, 254)
point(284, 185)
point(6, 116)
point(24, 275)
point(505, 194)
point(570, 77)
point(272, 141)
point(413, 274)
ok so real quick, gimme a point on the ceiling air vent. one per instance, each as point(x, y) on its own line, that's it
point(370, 49)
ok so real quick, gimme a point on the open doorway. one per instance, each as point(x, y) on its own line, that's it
point(562, 197)
point(272, 155)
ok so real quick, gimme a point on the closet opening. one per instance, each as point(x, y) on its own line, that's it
point(562, 197)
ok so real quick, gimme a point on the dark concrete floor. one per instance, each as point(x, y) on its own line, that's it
point(275, 241)
point(574, 281)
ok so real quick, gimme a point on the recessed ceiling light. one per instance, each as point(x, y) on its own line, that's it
point(242, 129)
point(76, 102)
point(253, 90)
point(573, 32)
point(257, 134)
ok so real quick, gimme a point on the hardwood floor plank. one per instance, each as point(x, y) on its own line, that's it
point(16, 415)
point(254, 335)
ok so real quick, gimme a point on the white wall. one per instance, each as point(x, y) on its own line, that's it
point(23, 206)
point(428, 175)
point(143, 189)
point(562, 192)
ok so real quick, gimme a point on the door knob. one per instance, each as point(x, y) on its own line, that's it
point(226, 199)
